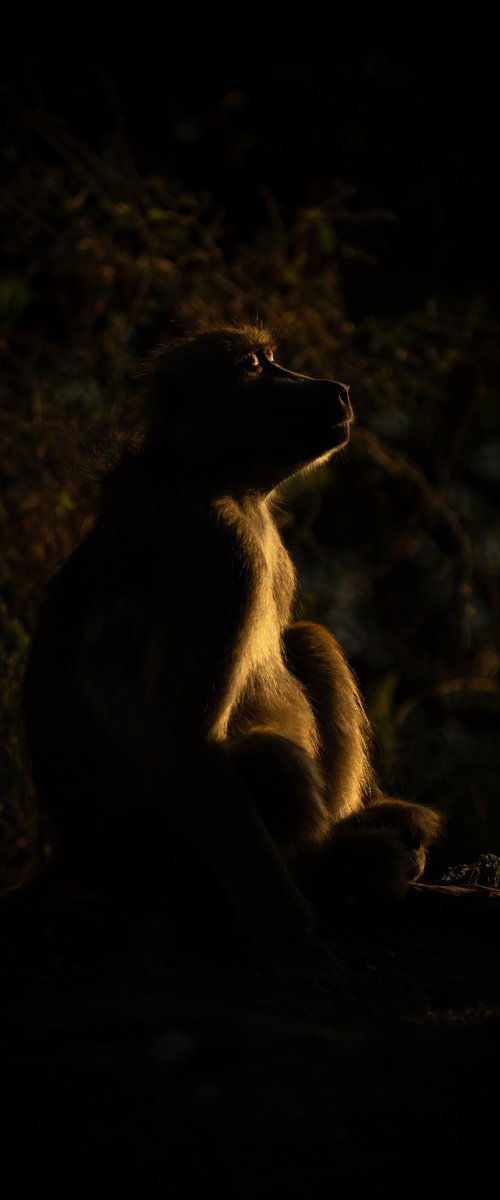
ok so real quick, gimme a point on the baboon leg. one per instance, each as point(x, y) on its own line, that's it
point(378, 851)
point(220, 819)
point(286, 786)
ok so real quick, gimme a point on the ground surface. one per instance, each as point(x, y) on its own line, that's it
point(126, 1081)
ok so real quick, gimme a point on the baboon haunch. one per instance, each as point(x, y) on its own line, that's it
point(172, 706)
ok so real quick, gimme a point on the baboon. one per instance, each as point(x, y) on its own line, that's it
point(174, 711)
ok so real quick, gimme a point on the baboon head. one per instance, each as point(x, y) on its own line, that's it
point(223, 403)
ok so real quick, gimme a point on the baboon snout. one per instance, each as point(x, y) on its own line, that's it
point(336, 396)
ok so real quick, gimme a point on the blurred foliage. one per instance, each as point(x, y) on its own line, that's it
point(397, 541)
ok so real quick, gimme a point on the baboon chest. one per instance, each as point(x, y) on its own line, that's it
point(260, 689)
point(270, 587)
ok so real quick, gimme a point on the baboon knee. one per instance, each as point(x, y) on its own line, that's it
point(417, 825)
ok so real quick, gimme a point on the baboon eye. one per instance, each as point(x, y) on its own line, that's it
point(270, 355)
point(250, 362)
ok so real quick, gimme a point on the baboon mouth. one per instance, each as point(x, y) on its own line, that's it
point(341, 434)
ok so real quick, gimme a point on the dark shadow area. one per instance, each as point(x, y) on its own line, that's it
point(125, 1077)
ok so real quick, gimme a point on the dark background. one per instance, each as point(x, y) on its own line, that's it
point(349, 198)
point(414, 132)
